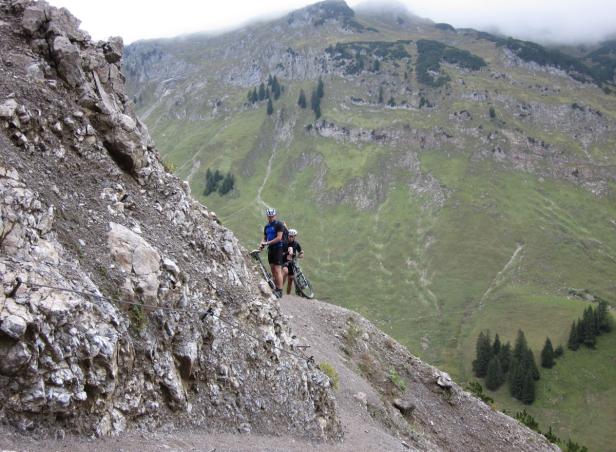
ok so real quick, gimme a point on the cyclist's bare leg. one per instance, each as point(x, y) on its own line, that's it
point(285, 273)
point(277, 274)
point(289, 284)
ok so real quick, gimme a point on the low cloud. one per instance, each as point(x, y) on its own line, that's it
point(545, 21)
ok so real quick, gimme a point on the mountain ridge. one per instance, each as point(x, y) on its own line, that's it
point(418, 145)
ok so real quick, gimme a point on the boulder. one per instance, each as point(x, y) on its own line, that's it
point(406, 407)
point(68, 60)
point(13, 357)
point(13, 326)
point(444, 380)
point(63, 23)
point(33, 17)
point(7, 108)
point(113, 49)
point(136, 257)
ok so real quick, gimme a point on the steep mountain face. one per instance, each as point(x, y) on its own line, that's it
point(455, 182)
point(87, 208)
point(125, 305)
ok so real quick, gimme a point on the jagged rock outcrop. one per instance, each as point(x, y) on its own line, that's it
point(88, 208)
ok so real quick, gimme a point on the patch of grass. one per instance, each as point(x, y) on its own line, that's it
point(329, 370)
point(352, 332)
point(397, 380)
point(169, 166)
point(368, 366)
point(138, 318)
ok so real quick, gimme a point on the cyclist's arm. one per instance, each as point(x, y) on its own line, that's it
point(276, 239)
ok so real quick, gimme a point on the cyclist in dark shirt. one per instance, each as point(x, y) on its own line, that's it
point(273, 239)
point(292, 249)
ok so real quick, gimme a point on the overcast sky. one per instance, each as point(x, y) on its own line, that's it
point(567, 21)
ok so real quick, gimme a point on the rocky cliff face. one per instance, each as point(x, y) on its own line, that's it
point(87, 208)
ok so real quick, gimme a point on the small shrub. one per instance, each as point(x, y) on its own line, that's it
point(138, 319)
point(169, 166)
point(397, 380)
point(524, 418)
point(559, 351)
point(102, 270)
point(367, 366)
point(492, 113)
point(551, 437)
point(329, 370)
point(475, 388)
point(352, 332)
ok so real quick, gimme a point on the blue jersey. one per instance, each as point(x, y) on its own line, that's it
point(271, 230)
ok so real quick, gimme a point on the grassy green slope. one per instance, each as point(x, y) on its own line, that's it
point(499, 254)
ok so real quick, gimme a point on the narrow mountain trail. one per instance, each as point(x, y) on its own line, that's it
point(193, 170)
point(500, 276)
point(268, 173)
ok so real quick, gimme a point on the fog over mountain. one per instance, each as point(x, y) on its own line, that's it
point(548, 21)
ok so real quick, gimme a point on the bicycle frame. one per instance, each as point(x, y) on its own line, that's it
point(255, 254)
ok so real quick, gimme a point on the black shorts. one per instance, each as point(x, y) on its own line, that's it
point(289, 266)
point(275, 255)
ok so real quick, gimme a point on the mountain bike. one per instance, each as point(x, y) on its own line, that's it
point(303, 288)
point(255, 254)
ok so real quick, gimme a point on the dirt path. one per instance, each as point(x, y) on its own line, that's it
point(309, 322)
point(499, 278)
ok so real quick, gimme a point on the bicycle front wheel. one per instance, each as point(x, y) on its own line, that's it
point(303, 286)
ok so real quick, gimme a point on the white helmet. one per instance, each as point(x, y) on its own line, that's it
point(271, 212)
point(292, 232)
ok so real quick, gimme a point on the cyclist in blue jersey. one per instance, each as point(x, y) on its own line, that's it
point(273, 234)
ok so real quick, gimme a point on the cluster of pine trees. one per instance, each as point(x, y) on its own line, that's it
point(593, 323)
point(315, 98)
point(272, 90)
point(498, 363)
point(217, 181)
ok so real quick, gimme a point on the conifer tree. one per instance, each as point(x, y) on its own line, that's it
point(255, 96)
point(496, 346)
point(516, 378)
point(301, 101)
point(315, 104)
point(270, 107)
point(604, 321)
point(376, 66)
point(320, 88)
point(505, 357)
point(391, 102)
point(547, 354)
point(574, 341)
point(275, 88)
point(483, 355)
point(380, 94)
point(268, 94)
point(261, 91)
point(527, 395)
point(531, 365)
point(269, 80)
point(519, 350)
point(589, 338)
point(227, 184)
point(494, 375)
